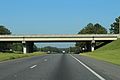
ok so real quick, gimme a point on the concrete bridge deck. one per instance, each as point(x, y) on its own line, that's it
point(59, 37)
point(28, 40)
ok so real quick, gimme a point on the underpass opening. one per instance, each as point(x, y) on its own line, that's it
point(56, 47)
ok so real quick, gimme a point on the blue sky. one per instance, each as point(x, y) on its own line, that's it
point(56, 16)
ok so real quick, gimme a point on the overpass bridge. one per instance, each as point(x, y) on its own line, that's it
point(28, 40)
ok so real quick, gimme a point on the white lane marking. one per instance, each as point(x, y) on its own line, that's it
point(96, 74)
point(45, 59)
point(33, 66)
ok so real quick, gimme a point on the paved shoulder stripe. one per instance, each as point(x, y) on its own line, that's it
point(96, 74)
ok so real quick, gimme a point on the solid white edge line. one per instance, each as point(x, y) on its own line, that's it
point(96, 74)
point(33, 66)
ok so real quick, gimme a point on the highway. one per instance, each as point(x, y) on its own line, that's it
point(58, 67)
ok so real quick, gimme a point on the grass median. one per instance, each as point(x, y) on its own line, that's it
point(109, 53)
point(10, 56)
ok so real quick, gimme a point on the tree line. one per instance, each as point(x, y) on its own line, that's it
point(9, 46)
point(80, 46)
point(96, 29)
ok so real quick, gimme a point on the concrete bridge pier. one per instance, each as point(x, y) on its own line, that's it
point(92, 45)
point(27, 47)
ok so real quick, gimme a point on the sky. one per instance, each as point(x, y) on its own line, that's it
point(56, 16)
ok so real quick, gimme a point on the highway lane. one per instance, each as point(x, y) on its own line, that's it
point(49, 67)
point(9, 68)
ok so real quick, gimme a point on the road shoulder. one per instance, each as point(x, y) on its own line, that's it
point(102, 67)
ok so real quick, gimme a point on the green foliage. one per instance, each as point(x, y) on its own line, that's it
point(115, 26)
point(77, 50)
point(4, 46)
point(109, 53)
point(51, 49)
point(91, 29)
point(17, 47)
point(9, 56)
point(111, 46)
point(35, 48)
point(4, 30)
point(72, 49)
point(57, 50)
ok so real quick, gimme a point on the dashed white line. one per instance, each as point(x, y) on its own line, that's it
point(96, 74)
point(45, 59)
point(33, 66)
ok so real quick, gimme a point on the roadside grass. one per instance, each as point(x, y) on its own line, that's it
point(10, 56)
point(109, 53)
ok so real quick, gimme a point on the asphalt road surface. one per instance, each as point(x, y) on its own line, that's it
point(58, 67)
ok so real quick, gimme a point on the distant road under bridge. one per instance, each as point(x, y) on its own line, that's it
point(28, 40)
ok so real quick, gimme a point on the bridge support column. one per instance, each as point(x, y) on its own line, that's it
point(24, 47)
point(27, 47)
point(92, 45)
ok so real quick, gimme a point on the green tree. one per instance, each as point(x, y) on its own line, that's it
point(4, 45)
point(4, 30)
point(51, 49)
point(99, 29)
point(93, 29)
point(115, 26)
point(17, 47)
point(35, 48)
point(90, 29)
point(72, 49)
